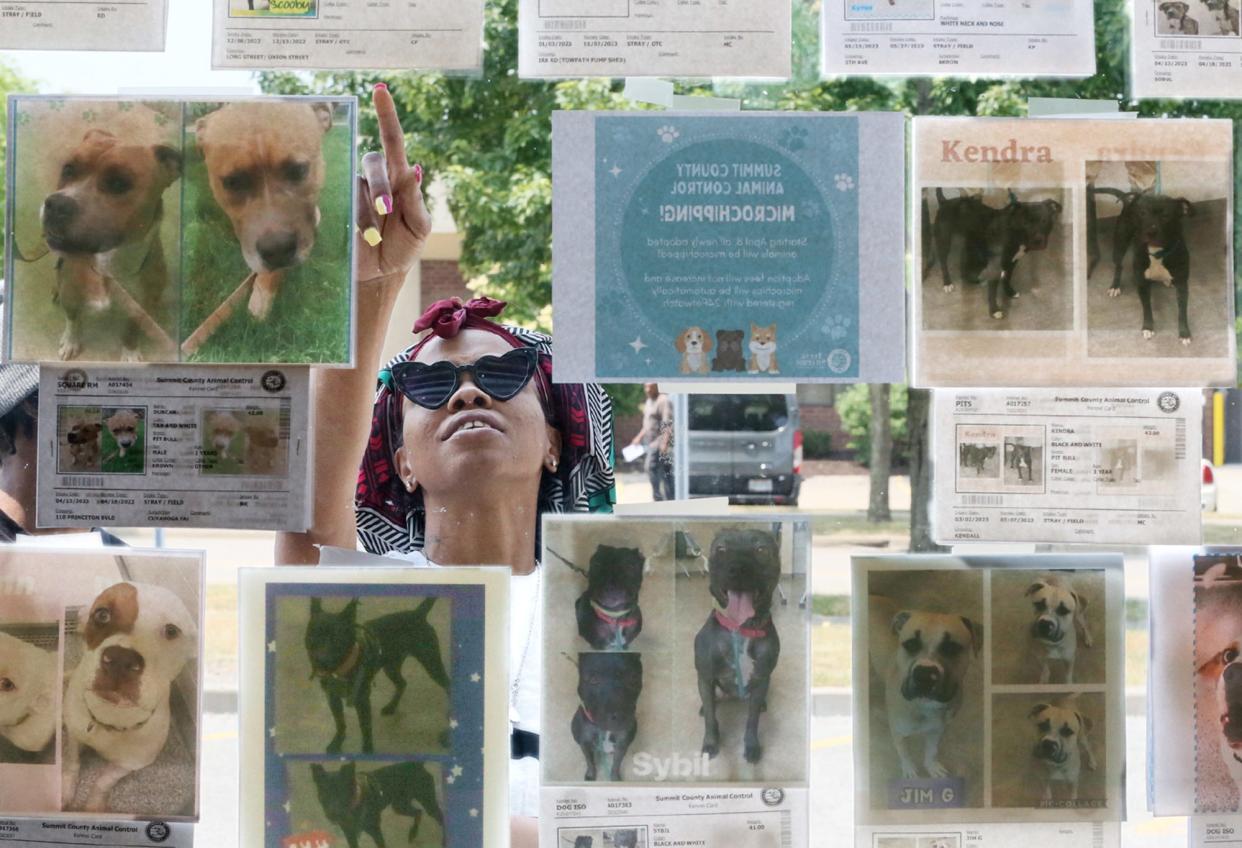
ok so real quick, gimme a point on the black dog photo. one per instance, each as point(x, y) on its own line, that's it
point(1157, 259)
point(1024, 461)
point(602, 837)
point(977, 459)
point(362, 674)
point(996, 259)
point(388, 803)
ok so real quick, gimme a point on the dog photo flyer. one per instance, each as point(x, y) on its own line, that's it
point(1101, 466)
point(747, 246)
point(992, 38)
point(988, 688)
point(1185, 48)
point(186, 230)
point(99, 697)
point(442, 35)
point(1194, 700)
point(654, 38)
point(174, 445)
point(374, 706)
point(134, 25)
point(1073, 252)
point(676, 675)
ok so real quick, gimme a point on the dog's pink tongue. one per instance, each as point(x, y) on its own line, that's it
point(741, 606)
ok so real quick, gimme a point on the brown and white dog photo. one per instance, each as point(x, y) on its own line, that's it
point(136, 640)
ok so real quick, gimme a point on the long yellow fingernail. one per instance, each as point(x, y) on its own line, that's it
point(383, 204)
point(372, 236)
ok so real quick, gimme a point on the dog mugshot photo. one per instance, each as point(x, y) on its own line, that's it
point(249, 440)
point(1047, 753)
point(30, 641)
point(925, 716)
point(1217, 683)
point(269, 199)
point(1050, 627)
point(363, 674)
point(996, 257)
point(1157, 246)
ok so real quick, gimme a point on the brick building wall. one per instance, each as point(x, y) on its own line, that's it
point(441, 279)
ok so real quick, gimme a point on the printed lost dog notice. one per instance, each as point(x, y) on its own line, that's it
point(1101, 466)
point(133, 25)
point(994, 38)
point(444, 35)
point(163, 446)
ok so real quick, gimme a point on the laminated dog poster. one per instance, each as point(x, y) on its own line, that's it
point(676, 676)
point(991, 38)
point(174, 445)
point(187, 230)
point(374, 706)
point(1185, 48)
point(134, 25)
point(657, 38)
point(348, 34)
point(100, 686)
point(987, 689)
point(1097, 466)
point(1073, 252)
point(745, 247)
point(1195, 702)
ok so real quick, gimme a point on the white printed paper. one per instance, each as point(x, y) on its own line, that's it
point(653, 38)
point(1185, 48)
point(1102, 466)
point(675, 682)
point(348, 34)
point(168, 445)
point(996, 835)
point(988, 689)
point(994, 38)
point(1212, 830)
point(32, 833)
point(136, 25)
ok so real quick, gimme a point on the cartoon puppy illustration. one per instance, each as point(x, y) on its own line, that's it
point(266, 168)
point(762, 350)
point(694, 344)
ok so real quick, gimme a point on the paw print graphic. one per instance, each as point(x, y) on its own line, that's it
point(844, 182)
point(838, 326)
point(809, 210)
point(668, 134)
point(793, 138)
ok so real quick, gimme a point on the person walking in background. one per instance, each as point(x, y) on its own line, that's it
point(656, 436)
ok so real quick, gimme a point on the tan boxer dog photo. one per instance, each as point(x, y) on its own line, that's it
point(265, 165)
point(136, 639)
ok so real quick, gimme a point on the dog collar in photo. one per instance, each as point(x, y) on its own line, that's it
point(347, 665)
point(614, 617)
point(736, 626)
point(111, 728)
point(586, 713)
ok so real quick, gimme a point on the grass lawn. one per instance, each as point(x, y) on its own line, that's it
point(310, 319)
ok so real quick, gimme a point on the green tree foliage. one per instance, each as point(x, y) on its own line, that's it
point(854, 406)
point(11, 82)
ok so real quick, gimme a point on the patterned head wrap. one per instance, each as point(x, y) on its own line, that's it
point(389, 518)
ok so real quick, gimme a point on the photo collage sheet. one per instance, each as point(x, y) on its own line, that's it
point(328, 655)
point(676, 674)
point(175, 264)
point(987, 689)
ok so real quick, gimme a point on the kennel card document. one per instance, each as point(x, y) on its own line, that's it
point(30, 833)
point(99, 721)
point(657, 38)
point(994, 38)
point(988, 689)
point(675, 681)
point(745, 247)
point(1076, 252)
point(180, 230)
point(136, 25)
point(1101, 466)
point(174, 445)
point(1185, 48)
point(425, 34)
point(374, 705)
